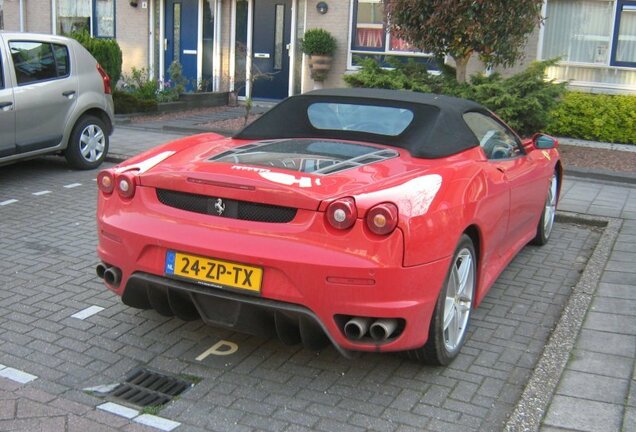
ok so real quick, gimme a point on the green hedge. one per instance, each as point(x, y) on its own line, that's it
point(127, 103)
point(106, 52)
point(608, 118)
point(524, 100)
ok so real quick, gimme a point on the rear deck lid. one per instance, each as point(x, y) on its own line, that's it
point(298, 173)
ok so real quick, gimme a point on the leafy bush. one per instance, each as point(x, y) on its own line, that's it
point(127, 103)
point(318, 42)
point(178, 81)
point(106, 52)
point(609, 118)
point(524, 100)
point(141, 84)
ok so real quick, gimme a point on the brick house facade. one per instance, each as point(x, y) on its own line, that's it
point(218, 41)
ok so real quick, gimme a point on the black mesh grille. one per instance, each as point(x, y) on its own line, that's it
point(235, 209)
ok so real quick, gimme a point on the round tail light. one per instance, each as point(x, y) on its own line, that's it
point(125, 184)
point(106, 182)
point(342, 213)
point(382, 219)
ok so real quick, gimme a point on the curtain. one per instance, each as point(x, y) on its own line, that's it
point(74, 8)
point(626, 43)
point(105, 17)
point(73, 16)
point(578, 31)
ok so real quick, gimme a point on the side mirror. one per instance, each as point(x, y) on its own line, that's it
point(544, 142)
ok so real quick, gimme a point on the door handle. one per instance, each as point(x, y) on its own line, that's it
point(500, 169)
point(69, 94)
point(4, 105)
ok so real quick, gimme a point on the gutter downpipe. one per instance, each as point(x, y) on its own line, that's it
point(22, 18)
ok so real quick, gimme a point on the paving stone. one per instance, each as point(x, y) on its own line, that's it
point(584, 415)
point(611, 323)
point(602, 364)
point(608, 343)
point(593, 387)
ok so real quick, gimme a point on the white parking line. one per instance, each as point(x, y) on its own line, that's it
point(72, 185)
point(157, 422)
point(7, 202)
point(17, 375)
point(89, 311)
point(41, 193)
point(154, 421)
point(119, 410)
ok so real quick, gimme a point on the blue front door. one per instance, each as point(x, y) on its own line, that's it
point(181, 30)
point(270, 47)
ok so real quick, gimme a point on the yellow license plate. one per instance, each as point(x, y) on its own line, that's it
point(214, 271)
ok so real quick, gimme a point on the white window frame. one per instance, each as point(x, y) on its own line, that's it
point(351, 52)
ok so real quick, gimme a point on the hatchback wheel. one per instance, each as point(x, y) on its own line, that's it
point(451, 317)
point(88, 144)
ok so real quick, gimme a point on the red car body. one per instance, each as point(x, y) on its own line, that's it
point(316, 277)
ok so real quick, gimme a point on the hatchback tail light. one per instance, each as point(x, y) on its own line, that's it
point(342, 213)
point(105, 79)
point(106, 182)
point(125, 185)
point(382, 219)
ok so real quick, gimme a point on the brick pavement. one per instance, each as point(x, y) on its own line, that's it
point(47, 263)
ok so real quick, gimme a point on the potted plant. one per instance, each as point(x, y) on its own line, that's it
point(319, 45)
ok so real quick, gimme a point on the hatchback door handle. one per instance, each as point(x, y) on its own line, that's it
point(4, 105)
point(69, 94)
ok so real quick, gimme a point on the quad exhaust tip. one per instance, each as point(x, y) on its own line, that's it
point(377, 329)
point(111, 275)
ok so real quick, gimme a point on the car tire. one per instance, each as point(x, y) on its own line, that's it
point(451, 317)
point(88, 144)
point(546, 222)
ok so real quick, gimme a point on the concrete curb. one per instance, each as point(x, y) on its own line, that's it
point(541, 386)
point(597, 174)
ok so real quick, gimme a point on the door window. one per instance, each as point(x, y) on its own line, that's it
point(495, 139)
point(38, 61)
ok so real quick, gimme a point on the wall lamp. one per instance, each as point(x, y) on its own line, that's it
point(322, 8)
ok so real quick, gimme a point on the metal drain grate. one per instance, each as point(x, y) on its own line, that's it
point(144, 387)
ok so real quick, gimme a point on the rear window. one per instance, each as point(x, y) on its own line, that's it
point(379, 120)
point(38, 61)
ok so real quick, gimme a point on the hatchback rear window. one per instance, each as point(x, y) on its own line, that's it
point(379, 120)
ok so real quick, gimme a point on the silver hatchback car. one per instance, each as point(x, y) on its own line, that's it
point(54, 98)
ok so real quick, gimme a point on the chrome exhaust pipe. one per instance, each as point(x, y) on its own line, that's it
point(112, 276)
point(357, 327)
point(382, 329)
point(100, 270)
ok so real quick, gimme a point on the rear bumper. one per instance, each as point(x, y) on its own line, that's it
point(312, 278)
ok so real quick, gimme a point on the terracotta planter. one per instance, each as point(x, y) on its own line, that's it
point(319, 67)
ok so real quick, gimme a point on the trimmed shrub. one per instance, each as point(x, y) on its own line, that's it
point(598, 117)
point(127, 103)
point(524, 100)
point(106, 52)
point(318, 42)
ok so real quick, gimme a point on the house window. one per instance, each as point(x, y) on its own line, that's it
point(96, 17)
point(370, 38)
point(104, 18)
point(595, 41)
point(624, 50)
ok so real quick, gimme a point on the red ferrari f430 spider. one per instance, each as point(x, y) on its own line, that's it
point(372, 219)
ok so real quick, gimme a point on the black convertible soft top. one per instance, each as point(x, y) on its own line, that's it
point(438, 128)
